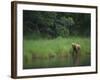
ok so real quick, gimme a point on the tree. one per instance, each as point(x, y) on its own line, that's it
point(54, 24)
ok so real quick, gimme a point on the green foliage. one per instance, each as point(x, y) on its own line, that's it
point(59, 47)
point(54, 24)
point(62, 31)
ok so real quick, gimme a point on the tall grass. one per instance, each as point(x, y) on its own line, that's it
point(44, 48)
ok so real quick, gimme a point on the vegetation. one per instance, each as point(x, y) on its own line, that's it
point(48, 38)
point(59, 47)
point(53, 24)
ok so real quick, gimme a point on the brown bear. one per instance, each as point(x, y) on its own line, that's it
point(76, 53)
point(76, 48)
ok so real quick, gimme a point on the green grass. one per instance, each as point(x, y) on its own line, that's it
point(44, 48)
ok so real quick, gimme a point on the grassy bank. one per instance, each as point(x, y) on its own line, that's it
point(59, 47)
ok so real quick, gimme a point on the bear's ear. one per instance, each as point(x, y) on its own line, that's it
point(73, 45)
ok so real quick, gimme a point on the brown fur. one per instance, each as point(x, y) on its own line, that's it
point(76, 53)
point(76, 48)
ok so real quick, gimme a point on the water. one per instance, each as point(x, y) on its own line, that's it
point(57, 62)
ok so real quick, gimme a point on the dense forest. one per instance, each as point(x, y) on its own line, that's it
point(42, 24)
